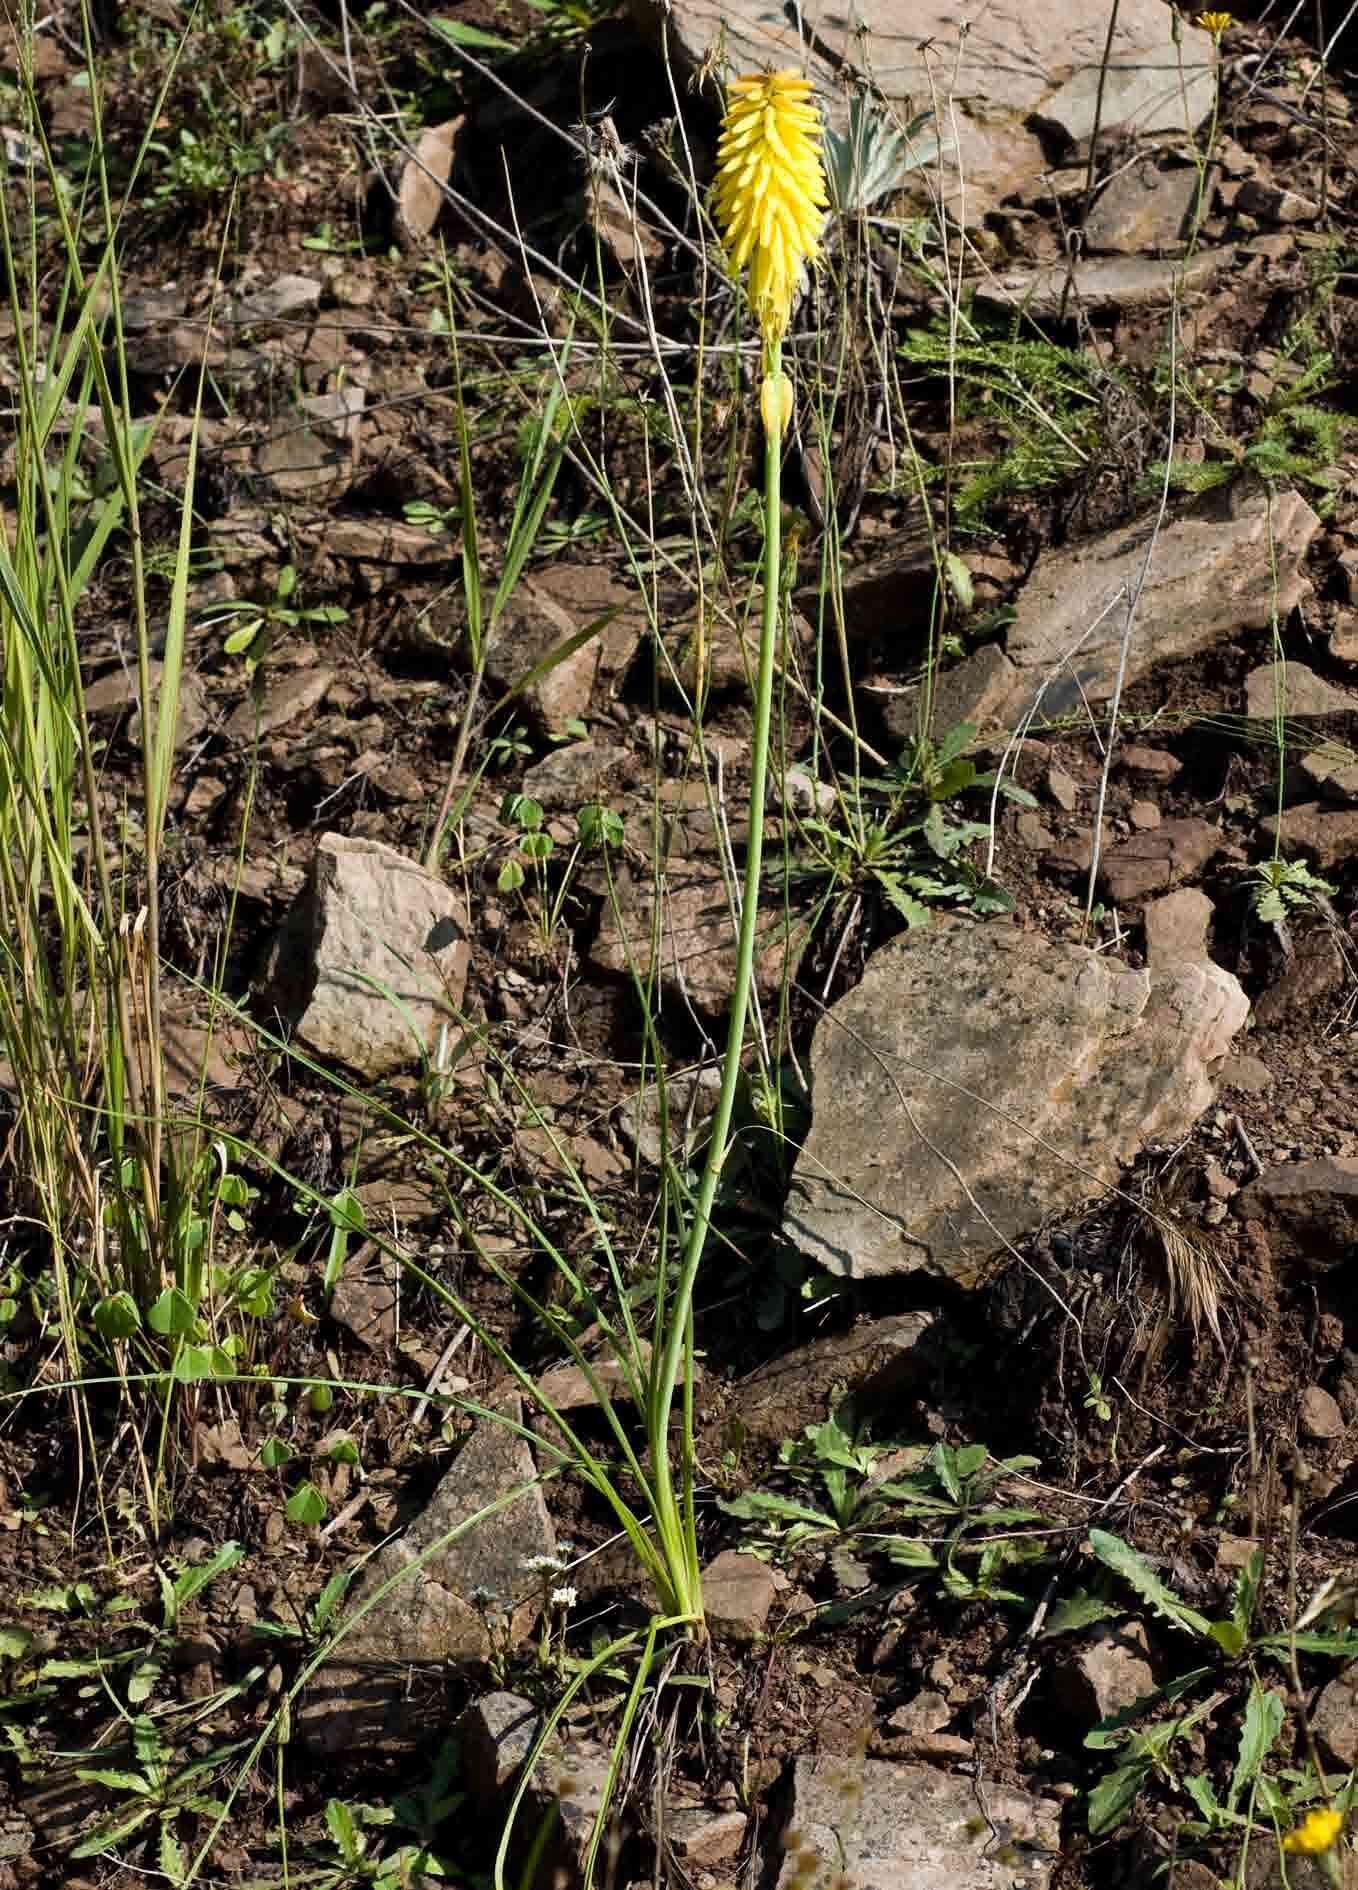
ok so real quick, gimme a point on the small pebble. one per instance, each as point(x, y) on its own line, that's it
point(1063, 789)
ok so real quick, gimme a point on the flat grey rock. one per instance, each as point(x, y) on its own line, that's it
point(1145, 207)
point(1100, 285)
point(1294, 689)
point(429, 1596)
point(980, 1080)
point(1227, 565)
point(1012, 63)
point(876, 1825)
point(372, 959)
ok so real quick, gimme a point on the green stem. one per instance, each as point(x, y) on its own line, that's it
point(678, 1533)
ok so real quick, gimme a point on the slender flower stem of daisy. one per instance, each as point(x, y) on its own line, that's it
point(678, 1528)
point(1215, 24)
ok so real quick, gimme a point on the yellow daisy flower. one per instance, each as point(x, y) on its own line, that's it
point(770, 196)
point(1214, 23)
point(1318, 1831)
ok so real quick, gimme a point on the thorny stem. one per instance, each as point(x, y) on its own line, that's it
point(678, 1533)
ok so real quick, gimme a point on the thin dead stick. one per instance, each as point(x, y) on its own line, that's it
point(445, 1359)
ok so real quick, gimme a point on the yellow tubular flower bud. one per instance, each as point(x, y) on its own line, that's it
point(775, 402)
point(770, 196)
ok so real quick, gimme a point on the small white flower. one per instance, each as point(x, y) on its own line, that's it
point(564, 1597)
point(543, 1565)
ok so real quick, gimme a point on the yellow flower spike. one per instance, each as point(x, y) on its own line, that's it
point(1214, 23)
point(1318, 1832)
point(770, 197)
point(775, 402)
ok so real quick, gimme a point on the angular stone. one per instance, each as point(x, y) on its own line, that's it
point(1344, 637)
point(619, 224)
point(569, 1783)
point(338, 413)
point(691, 1096)
point(1319, 1416)
point(539, 637)
point(1152, 862)
point(998, 70)
point(1295, 689)
point(192, 715)
point(1063, 788)
point(372, 958)
point(1326, 834)
point(118, 688)
point(1112, 1673)
point(738, 1591)
point(928, 1712)
point(979, 690)
point(1144, 208)
point(495, 1735)
point(453, 1572)
point(1176, 927)
point(365, 1307)
point(117, 691)
point(696, 954)
point(301, 462)
point(198, 1059)
point(877, 1366)
point(1219, 569)
point(384, 541)
point(1149, 764)
point(572, 1785)
point(1136, 96)
point(567, 1387)
point(420, 193)
point(285, 299)
point(1101, 286)
point(706, 1837)
point(1309, 1208)
point(886, 595)
point(979, 1080)
point(283, 700)
point(1335, 1721)
point(1272, 204)
point(1331, 771)
point(876, 1825)
point(728, 650)
point(153, 308)
point(1315, 971)
point(569, 778)
point(1247, 1073)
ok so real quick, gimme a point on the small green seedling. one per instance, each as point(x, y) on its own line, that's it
point(434, 519)
point(1282, 887)
point(525, 815)
point(256, 626)
point(952, 1489)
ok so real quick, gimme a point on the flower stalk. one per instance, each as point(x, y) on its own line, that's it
point(770, 202)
